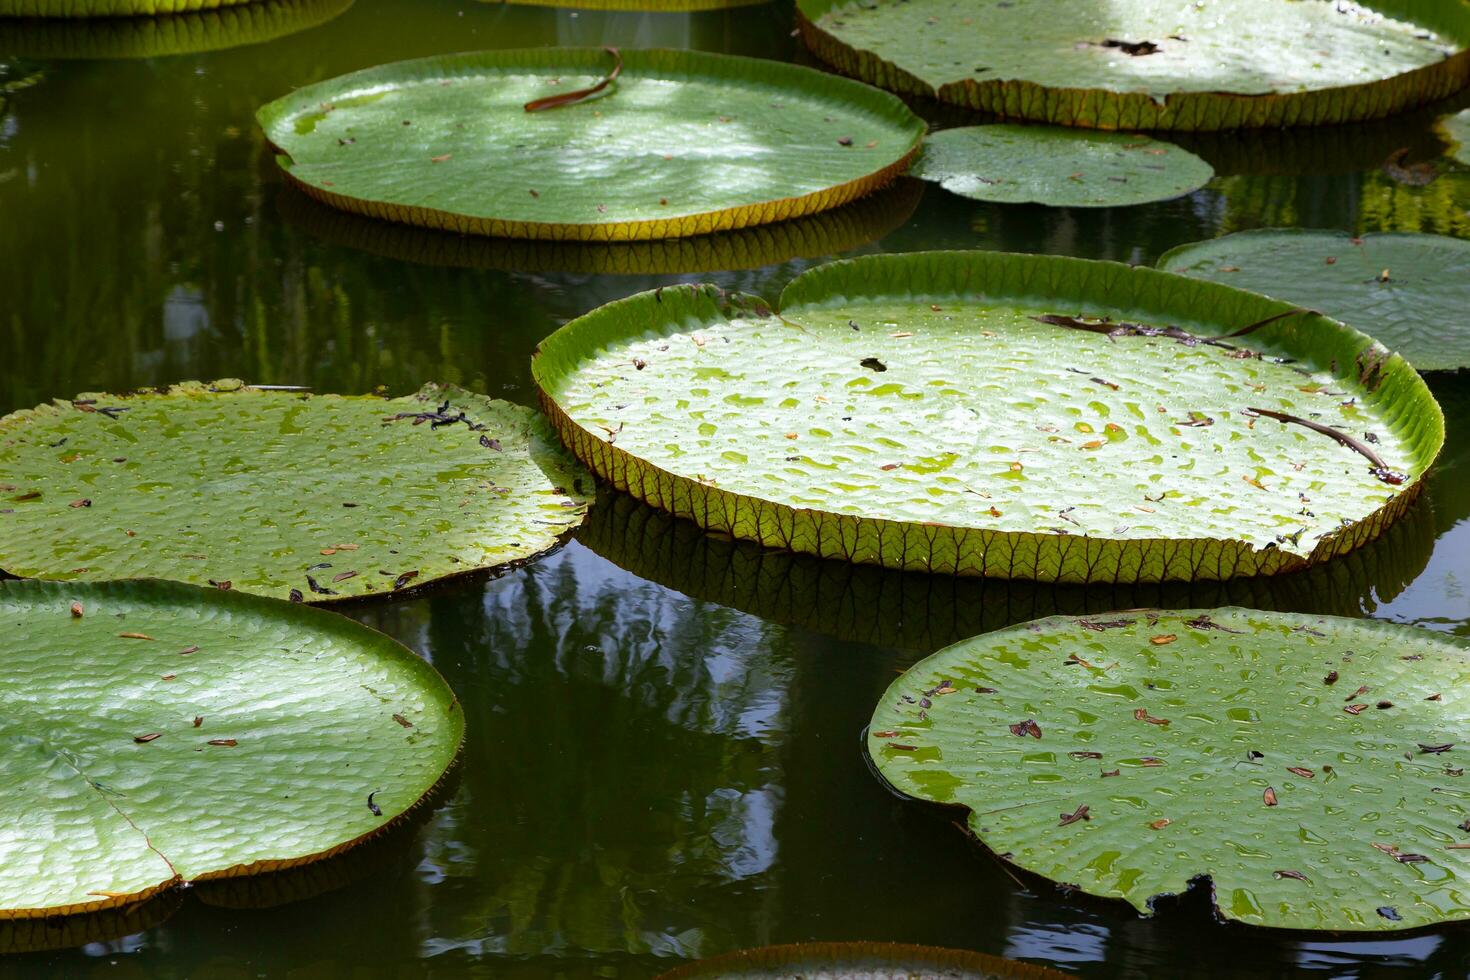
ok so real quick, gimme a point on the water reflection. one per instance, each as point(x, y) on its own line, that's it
point(845, 229)
point(154, 37)
point(866, 604)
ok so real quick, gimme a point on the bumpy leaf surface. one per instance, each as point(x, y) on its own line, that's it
point(910, 411)
point(859, 961)
point(273, 492)
point(1153, 64)
point(1311, 767)
point(681, 143)
point(1409, 291)
point(210, 29)
point(1058, 167)
point(156, 733)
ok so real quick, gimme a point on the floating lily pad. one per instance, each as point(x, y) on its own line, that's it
point(680, 143)
point(827, 233)
point(157, 733)
point(859, 961)
point(316, 498)
point(1410, 291)
point(109, 8)
point(1163, 65)
point(1058, 167)
point(1458, 128)
point(1309, 766)
point(912, 411)
point(152, 37)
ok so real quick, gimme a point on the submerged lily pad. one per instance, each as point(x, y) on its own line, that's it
point(954, 412)
point(158, 733)
point(153, 37)
point(1409, 291)
point(1309, 766)
point(859, 961)
point(1158, 65)
point(678, 143)
point(287, 494)
point(1458, 128)
point(109, 8)
point(1058, 167)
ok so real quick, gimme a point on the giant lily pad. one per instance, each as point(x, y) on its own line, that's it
point(1458, 128)
point(912, 411)
point(157, 733)
point(1153, 64)
point(1308, 766)
point(151, 37)
point(859, 961)
point(1058, 167)
point(1409, 291)
point(281, 493)
point(108, 8)
point(678, 143)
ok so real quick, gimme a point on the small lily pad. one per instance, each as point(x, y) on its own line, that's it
point(283, 493)
point(1058, 167)
point(209, 29)
point(158, 733)
point(1458, 129)
point(1225, 64)
point(859, 961)
point(1013, 416)
point(590, 144)
point(1409, 291)
point(1310, 767)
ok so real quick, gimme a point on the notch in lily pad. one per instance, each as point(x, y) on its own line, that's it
point(1218, 756)
point(276, 728)
point(316, 498)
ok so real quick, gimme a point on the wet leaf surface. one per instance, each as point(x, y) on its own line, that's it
point(1149, 65)
point(1238, 695)
point(780, 427)
point(1058, 167)
point(116, 789)
point(606, 160)
point(260, 476)
point(1408, 291)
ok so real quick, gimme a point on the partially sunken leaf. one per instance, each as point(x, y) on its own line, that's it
point(1308, 766)
point(1058, 167)
point(298, 756)
point(952, 412)
point(858, 961)
point(108, 8)
point(282, 493)
point(1409, 291)
point(1152, 64)
point(670, 143)
point(152, 37)
point(1458, 128)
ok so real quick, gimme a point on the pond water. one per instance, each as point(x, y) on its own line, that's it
point(664, 758)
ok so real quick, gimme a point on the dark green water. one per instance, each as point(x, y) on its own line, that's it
point(664, 757)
